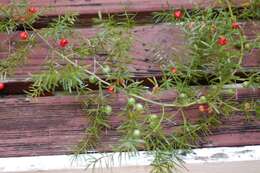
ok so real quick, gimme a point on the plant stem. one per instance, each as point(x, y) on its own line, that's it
point(163, 104)
point(103, 81)
point(230, 9)
point(67, 59)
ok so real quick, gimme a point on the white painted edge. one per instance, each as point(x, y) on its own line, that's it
point(69, 162)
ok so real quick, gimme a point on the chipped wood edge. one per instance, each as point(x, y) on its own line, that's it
point(245, 159)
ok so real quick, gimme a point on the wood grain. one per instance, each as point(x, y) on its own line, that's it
point(90, 7)
point(54, 125)
point(168, 40)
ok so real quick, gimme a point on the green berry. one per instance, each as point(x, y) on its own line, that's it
point(92, 79)
point(246, 84)
point(108, 109)
point(153, 117)
point(230, 91)
point(106, 69)
point(182, 95)
point(202, 99)
point(247, 46)
point(131, 101)
point(136, 133)
point(214, 87)
point(139, 107)
point(247, 106)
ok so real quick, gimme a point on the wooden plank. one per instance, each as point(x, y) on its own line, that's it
point(92, 7)
point(141, 52)
point(33, 127)
point(29, 128)
point(168, 39)
point(88, 9)
point(213, 160)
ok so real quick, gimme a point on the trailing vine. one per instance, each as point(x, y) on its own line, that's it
point(216, 45)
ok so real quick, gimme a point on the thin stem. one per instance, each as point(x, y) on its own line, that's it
point(163, 104)
point(67, 59)
point(103, 81)
point(230, 9)
point(232, 107)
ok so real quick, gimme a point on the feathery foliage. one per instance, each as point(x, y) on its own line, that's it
point(216, 46)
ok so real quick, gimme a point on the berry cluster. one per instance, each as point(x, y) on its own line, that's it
point(210, 47)
point(30, 12)
point(222, 41)
point(24, 35)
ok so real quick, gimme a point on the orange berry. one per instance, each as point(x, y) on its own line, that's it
point(235, 25)
point(122, 81)
point(210, 110)
point(202, 108)
point(22, 19)
point(110, 89)
point(174, 70)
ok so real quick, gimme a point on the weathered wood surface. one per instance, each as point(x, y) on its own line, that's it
point(87, 9)
point(92, 7)
point(54, 125)
point(149, 39)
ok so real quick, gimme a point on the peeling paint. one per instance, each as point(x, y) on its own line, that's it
point(244, 151)
point(219, 156)
point(201, 158)
point(64, 162)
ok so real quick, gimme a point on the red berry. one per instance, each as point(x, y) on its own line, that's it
point(235, 25)
point(2, 86)
point(110, 89)
point(202, 108)
point(222, 41)
point(174, 70)
point(24, 35)
point(33, 10)
point(64, 42)
point(177, 14)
